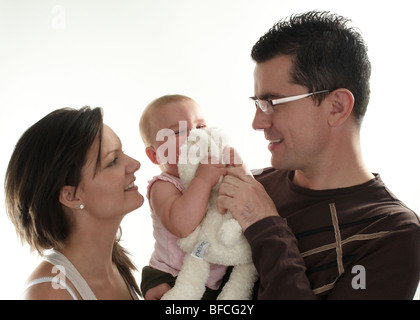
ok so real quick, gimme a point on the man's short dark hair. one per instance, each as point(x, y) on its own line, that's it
point(327, 54)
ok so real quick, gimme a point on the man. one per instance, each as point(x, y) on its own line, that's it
point(320, 224)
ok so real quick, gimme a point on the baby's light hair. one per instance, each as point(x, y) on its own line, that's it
point(145, 124)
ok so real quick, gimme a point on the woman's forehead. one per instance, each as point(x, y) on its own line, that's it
point(110, 141)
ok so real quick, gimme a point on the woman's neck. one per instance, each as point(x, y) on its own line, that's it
point(89, 247)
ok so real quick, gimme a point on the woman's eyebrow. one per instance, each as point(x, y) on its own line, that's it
point(117, 147)
point(116, 150)
point(109, 152)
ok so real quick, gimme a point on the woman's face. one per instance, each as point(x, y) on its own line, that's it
point(109, 191)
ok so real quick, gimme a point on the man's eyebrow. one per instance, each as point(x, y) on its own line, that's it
point(268, 96)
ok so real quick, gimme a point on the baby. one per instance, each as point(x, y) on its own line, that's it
point(176, 210)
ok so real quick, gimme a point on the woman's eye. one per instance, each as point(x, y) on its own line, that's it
point(201, 126)
point(113, 162)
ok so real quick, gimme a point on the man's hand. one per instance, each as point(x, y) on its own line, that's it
point(244, 197)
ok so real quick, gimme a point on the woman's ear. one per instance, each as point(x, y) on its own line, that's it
point(342, 102)
point(151, 154)
point(68, 197)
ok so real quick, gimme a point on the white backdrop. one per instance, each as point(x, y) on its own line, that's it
point(120, 55)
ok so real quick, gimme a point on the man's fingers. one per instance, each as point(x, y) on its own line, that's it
point(222, 203)
point(229, 186)
point(242, 173)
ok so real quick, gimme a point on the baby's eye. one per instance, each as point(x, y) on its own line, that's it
point(180, 132)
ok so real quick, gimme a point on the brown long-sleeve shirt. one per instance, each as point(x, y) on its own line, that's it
point(359, 242)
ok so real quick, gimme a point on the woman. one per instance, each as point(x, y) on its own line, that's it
point(68, 186)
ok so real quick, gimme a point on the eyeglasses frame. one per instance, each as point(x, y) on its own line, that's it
point(274, 102)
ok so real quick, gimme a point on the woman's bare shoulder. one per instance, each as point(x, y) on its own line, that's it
point(46, 290)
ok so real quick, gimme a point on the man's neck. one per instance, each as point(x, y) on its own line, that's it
point(329, 180)
point(340, 167)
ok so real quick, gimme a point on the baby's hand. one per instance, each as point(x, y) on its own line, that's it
point(231, 157)
point(211, 172)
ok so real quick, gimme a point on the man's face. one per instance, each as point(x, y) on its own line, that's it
point(296, 131)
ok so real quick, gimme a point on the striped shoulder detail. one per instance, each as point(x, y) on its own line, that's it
point(342, 226)
point(338, 244)
point(357, 237)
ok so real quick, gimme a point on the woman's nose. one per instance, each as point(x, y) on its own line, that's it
point(133, 165)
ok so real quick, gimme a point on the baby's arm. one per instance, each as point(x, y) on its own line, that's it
point(182, 213)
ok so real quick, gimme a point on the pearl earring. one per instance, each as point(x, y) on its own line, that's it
point(81, 207)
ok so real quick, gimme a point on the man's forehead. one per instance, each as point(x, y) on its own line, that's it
point(272, 76)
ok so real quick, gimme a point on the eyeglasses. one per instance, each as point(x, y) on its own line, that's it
point(266, 106)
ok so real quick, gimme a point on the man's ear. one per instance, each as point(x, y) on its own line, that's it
point(68, 197)
point(342, 102)
point(152, 155)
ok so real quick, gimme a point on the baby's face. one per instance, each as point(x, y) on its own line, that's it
point(172, 125)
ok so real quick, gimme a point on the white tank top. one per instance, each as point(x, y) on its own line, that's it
point(58, 259)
